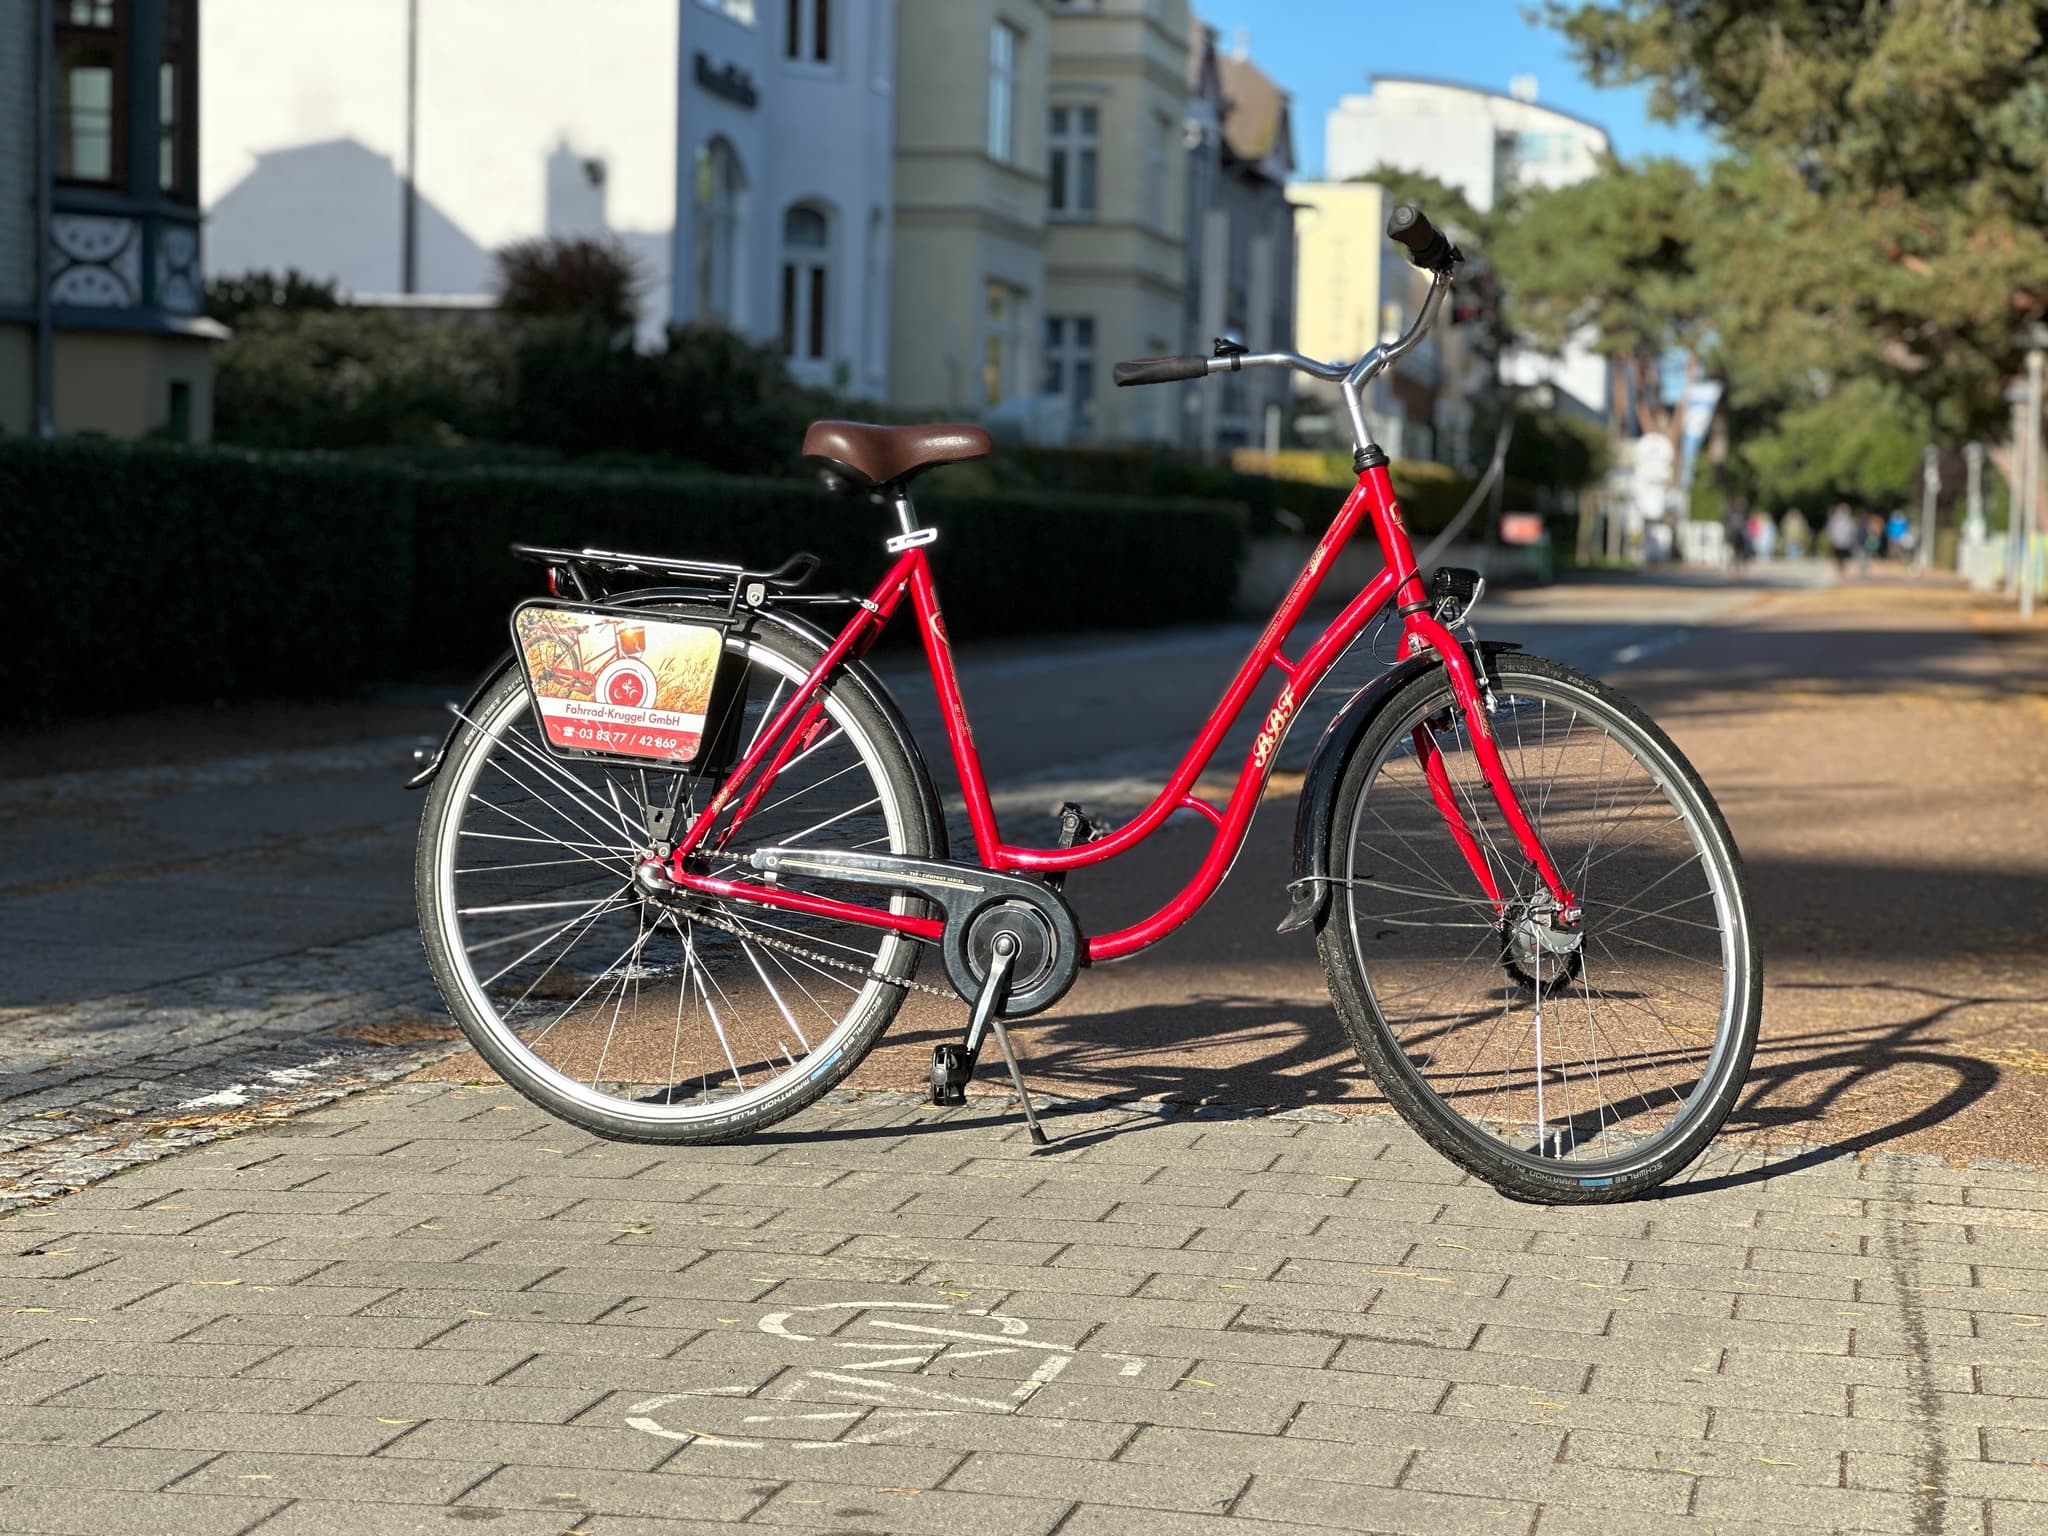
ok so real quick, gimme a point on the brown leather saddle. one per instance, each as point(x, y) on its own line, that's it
point(860, 459)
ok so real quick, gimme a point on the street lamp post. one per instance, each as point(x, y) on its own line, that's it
point(2037, 355)
point(1930, 488)
point(409, 234)
point(1970, 556)
point(2016, 498)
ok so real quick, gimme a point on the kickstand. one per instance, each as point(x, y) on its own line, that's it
point(988, 1014)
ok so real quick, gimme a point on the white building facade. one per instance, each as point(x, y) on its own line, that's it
point(784, 133)
point(532, 117)
point(1482, 142)
point(1478, 140)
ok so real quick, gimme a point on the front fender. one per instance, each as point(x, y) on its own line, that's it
point(1313, 813)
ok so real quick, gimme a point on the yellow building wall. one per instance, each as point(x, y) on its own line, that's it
point(112, 384)
point(120, 385)
point(1126, 268)
point(1339, 235)
point(964, 219)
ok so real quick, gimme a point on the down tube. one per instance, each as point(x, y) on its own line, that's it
point(1251, 779)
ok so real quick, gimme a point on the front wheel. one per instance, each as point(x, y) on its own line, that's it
point(1563, 1062)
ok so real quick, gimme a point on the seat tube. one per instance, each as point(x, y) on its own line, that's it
point(938, 648)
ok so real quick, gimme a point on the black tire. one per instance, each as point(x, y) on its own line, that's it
point(1383, 863)
point(879, 754)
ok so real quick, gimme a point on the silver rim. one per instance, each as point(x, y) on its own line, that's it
point(1593, 1061)
point(626, 1008)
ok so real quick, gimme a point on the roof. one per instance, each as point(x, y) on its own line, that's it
point(1256, 123)
point(1480, 90)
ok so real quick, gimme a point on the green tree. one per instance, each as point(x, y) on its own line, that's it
point(1885, 191)
point(1616, 253)
point(231, 299)
point(1446, 205)
point(1859, 443)
point(559, 277)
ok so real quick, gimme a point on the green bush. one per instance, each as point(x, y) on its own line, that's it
point(149, 575)
point(350, 378)
point(1273, 505)
point(568, 384)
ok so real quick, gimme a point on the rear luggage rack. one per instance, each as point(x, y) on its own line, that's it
point(582, 572)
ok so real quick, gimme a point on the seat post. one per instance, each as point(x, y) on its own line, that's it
point(906, 519)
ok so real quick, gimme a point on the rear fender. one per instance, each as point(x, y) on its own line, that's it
point(1317, 808)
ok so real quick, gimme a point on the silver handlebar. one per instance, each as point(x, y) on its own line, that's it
point(1354, 376)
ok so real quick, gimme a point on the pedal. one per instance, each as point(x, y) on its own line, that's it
point(1453, 593)
point(1076, 826)
point(952, 1069)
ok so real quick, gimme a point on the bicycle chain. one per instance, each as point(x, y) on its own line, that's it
point(866, 973)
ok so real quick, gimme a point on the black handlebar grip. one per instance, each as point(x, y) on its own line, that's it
point(1428, 247)
point(1161, 370)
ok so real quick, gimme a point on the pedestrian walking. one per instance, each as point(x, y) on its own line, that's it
point(1763, 536)
point(1844, 539)
point(1735, 534)
point(1898, 535)
point(1797, 533)
point(1871, 546)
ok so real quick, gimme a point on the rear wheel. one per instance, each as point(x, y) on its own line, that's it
point(632, 1017)
point(1562, 1062)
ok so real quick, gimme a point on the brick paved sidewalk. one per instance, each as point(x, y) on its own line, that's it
point(430, 1304)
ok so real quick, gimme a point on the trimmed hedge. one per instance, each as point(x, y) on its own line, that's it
point(1297, 492)
point(1004, 564)
point(143, 577)
point(148, 574)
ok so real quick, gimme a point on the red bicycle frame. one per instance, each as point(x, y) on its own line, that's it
point(801, 717)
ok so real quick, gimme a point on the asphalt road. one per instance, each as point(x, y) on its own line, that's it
point(124, 879)
point(223, 928)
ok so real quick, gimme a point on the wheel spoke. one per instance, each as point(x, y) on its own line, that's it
point(1541, 1039)
point(671, 1014)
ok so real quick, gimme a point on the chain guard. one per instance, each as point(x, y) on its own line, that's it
point(973, 900)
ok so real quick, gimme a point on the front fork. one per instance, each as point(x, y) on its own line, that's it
point(1474, 698)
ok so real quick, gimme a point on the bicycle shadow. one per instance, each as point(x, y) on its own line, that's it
point(1234, 1053)
point(1785, 1066)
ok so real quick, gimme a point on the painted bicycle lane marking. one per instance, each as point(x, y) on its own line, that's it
point(895, 1347)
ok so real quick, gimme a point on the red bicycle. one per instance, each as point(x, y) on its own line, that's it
point(1530, 912)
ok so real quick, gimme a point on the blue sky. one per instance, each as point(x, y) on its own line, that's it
point(1323, 49)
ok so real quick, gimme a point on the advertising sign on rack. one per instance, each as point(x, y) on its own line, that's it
point(621, 684)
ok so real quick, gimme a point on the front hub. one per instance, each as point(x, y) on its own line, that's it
point(1535, 943)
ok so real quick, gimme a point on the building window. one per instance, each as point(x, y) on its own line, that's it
point(91, 51)
point(1158, 153)
point(1003, 343)
point(721, 185)
point(1071, 174)
point(809, 36)
point(177, 106)
point(1004, 44)
point(1070, 367)
point(806, 264)
point(741, 11)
